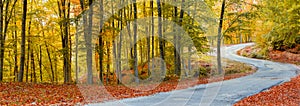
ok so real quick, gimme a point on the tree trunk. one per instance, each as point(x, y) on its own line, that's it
point(219, 39)
point(15, 51)
point(176, 51)
point(40, 64)
point(28, 50)
point(33, 66)
point(152, 31)
point(22, 61)
point(161, 46)
point(189, 57)
point(120, 48)
point(135, 42)
point(64, 13)
point(178, 45)
point(2, 40)
point(50, 61)
point(4, 17)
point(76, 52)
point(148, 42)
point(88, 42)
point(100, 41)
point(108, 61)
point(115, 58)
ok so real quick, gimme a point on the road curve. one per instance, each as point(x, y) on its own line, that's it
point(219, 93)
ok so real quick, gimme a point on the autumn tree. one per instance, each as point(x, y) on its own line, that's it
point(281, 20)
point(161, 46)
point(22, 61)
point(64, 14)
point(6, 14)
point(220, 70)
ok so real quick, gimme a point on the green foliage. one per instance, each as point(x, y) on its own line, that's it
point(203, 72)
point(284, 18)
point(171, 77)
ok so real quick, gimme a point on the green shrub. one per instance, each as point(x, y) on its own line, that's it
point(231, 71)
point(171, 77)
point(201, 72)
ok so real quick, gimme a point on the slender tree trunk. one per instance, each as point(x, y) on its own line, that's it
point(33, 66)
point(49, 58)
point(40, 64)
point(27, 63)
point(152, 27)
point(100, 41)
point(120, 47)
point(22, 61)
point(10, 65)
point(178, 45)
point(175, 43)
point(28, 50)
point(189, 57)
point(115, 58)
point(76, 52)
point(135, 42)
point(64, 13)
point(108, 61)
point(148, 42)
point(141, 53)
point(4, 17)
point(15, 56)
point(15, 50)
point(88, 41)
point(2, 40)
point(161, 45)
point(219, 39)
point(55, 69)
point(115, 52)
point(68, 43)
point(129, 32)
point(69, 46)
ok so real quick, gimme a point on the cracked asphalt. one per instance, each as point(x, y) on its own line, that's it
point(219, 93)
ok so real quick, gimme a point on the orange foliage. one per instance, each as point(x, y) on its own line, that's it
point(287, 94)
point(48, 94)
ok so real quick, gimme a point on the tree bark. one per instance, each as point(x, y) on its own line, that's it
point(161, 45)
point(40, 64)
point(28, 50)
point(148, 42)
point(15, 51)
point(88, 41)
point(76, 53)
point(220, 71)
point(108, 62)
point(33, 66)
point(135, 42)
point(175, 43)
point(4, 17)
point(64, 13)
point(152, 27)
point(100, 41)
point(22, 61)
point(120, 47)
point(50, 59)
point(2, 40)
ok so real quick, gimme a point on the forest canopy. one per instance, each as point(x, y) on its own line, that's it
point(66, 41)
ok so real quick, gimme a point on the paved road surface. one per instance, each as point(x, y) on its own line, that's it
point(219, 93)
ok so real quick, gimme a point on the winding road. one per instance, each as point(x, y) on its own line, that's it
point(220, 93)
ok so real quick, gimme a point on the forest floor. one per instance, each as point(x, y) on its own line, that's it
point(14, 93)
point(287, 93)
point(289, 56)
